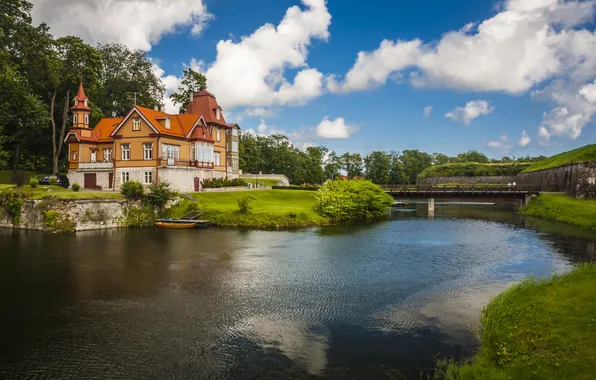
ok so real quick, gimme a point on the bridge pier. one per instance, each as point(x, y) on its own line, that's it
point(431, 208)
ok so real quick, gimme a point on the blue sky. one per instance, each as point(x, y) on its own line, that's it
point(509, 61)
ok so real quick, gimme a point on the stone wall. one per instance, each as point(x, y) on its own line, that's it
point(83, 214)
point(559, 179)
point(586, 180)
point(279, 177)
point(466, 180)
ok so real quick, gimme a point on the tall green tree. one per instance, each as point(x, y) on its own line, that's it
point(192, 81)
point(352, 164)
point(398, 172)
point(440, 159)
point(378, 167)
point(314, 159)
point(332, 166)
point(472, 156)
point(414, 163)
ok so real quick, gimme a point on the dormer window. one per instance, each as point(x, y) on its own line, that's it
point(136, 124)
point(167, 123)
point(217, 113)
point(76, 102)
point(85, 103)
point(74, 119)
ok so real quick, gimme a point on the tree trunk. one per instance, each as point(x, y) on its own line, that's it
point(53, 122)
point(63, 129)
point(17, 156)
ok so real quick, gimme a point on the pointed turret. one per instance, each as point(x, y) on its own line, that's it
point(80, 109)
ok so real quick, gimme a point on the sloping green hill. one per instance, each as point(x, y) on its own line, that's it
point(473, 169)
point(583, 154)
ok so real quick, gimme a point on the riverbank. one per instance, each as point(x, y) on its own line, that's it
point(537, 330)
point(562, 208)
point(271, 209)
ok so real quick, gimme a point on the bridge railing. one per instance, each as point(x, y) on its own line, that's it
point(467, 189)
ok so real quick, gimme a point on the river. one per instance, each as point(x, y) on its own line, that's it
point(369, 301)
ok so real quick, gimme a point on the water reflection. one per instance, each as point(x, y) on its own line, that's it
point(367, 301)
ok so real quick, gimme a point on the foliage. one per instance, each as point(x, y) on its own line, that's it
point(378, 167)
point(266, 220)
point(471, 156)
point(537, 330)
point(260, 181)
point(471, 169)
point(58, 221)
point(244, 204)
point(12, 202)
point(352, 164)
point(76, 187)
point(182, 208)
point(34, 182)
point(584, 154)
point(221, 182)
point(97, 215)
point(355, 200)
point(192, 81)
point(132, 190)
point(414, 162)
point(138, 215)
point(53, 181)
point(19, 179)
point(301, 187)
point(562, 208)
point(159, 195)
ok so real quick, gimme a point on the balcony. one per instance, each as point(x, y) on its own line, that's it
point(96, 165)
point(185, 164)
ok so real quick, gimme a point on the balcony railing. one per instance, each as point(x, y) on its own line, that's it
point(96, 165)
point(185, 164)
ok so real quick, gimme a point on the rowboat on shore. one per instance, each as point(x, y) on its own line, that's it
point(175, 224)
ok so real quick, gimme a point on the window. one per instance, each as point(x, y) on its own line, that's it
point(107, 155)
point(93, 156)
point(148, 178)
point(217, 114)
point(216, 160)
point(125, 152)
point(86, 119)
point(148, 151)
point(234, 146)
point(234, 164)
point(218, 134)
point(170, 153)
point(167, 123)
point(74, 119)
point(205, 152)
point(125, 177)
point(193, 152)
point(85, 103)
point(136, 124)
point(234, 132)
point(74, 156)
point(76, 102)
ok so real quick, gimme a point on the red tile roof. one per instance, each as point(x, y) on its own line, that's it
point(79, 99)
point(205, 104)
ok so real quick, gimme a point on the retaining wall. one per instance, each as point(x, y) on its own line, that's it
point(467, 180)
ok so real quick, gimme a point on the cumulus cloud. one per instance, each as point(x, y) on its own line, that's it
point(544, 136)
point(251, 72)
point(263, 129)
point(524, 140)
point(335, 129)
point(136, 23)
point(500, 144)
point(471, 111)
point(258, 112)
point(427, 111)
point(528, 43)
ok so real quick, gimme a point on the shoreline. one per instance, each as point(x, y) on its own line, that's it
point(562, 208)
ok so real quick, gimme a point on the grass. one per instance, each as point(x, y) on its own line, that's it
point(263, 181)
point(536, 330)
point(583, 154)
point(5, 176)
point(41, 192)
point(270, 209)
point(562, 208)
point(473, 169)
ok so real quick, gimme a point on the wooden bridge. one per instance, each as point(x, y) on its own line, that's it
point(455, 191)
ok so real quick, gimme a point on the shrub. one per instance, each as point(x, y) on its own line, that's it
point(132, 190)
point(221, 182)
point(57, 221)
point(19, 179)
point(76, 187)
point(182, 208)
point(244, 204)
point(138, 216)
point(53, 181)
point(12, 204)
point(355, 200)
point(159, 195)
point(303, 187)
point(33, 182)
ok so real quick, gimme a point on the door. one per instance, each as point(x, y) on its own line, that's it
point(111, 180)
point(90, 180)
point(197, 184)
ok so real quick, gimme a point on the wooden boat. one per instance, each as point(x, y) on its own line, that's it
point(174, 224)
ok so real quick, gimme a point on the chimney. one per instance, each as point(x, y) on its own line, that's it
point(156, 108)
point(192, 96)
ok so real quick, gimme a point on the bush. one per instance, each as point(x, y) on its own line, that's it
point(159, 195)
point(76, 187)
point(132, 190)
point(303, 187)
point(19, 179)
point(244, 204)
point(138, 216)
point(33, 182)
point(53, 181)
point(12, 203)
point(221, 182)
point(349, 201)
point(473, 169)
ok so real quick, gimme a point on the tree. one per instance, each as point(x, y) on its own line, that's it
point(332, 166)
point(397, 173)
point(378, 167)
point(440, 159)
point(472, 156)
point(414, 163)
point(126, 76)
point(192, 81)
point(352, 164)
point(314, 158)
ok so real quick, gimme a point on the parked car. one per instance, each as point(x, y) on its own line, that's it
point(62, 180)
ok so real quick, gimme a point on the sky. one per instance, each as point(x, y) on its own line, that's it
point(505, 77)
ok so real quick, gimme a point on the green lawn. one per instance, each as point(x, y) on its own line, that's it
point(583, 154)
point(562, 208)
point(537, 330)
point(266, 182)
point(41, 192)
point(270, 209)
point(5, 176)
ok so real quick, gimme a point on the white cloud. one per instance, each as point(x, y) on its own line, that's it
point(500, 144)
point(544, 136)
point(471, 111)
point(427, 111)
point(136, 23)
point(265, 130)
point(251, 72)
point(335, 129)
point(528, 43)
point(258, 112)
point(524, 140)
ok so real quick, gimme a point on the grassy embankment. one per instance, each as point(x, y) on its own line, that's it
point(562, 208)
point(474, 169)
point(262, 181)
point(584, 154)
point(536, 330)
point(41, 192)
point(270, 209)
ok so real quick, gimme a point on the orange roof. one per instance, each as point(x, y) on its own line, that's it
point(204, 103)
point(80, 98)
point(106, 126)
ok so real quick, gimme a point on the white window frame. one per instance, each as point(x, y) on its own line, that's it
point(136, 124)
point(234, 164)
point(86, 119)
point(148, 178)
point(124, 177)
point(125, 148)
point(74, 155)
point(218, 134)
point(168, 126)
point(93, 155)
point(107, 154)
point(148, 151)
point(74, 119)
point(234, 132)
point(235, 146)
point(217, 114)
point(217, 159)
point(193, 152)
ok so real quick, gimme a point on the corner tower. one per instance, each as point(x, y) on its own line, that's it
point(80, 110)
